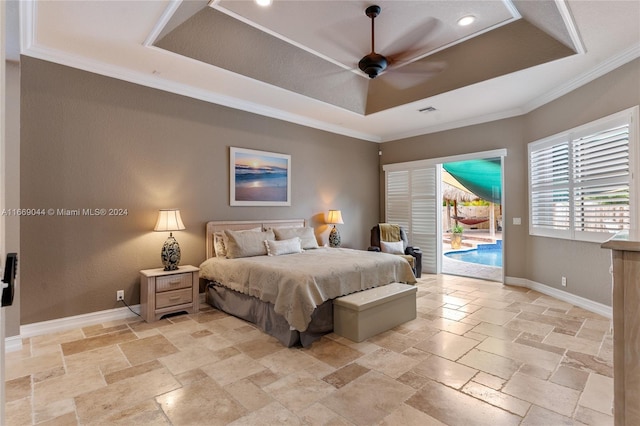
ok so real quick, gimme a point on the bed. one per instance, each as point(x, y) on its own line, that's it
point(285, 290)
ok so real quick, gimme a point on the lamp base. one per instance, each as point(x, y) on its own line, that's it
point(334, 238)
point(170, 254)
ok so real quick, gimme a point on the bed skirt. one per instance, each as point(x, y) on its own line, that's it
point(262, 314)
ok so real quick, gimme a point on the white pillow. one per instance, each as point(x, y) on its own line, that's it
point(246, 243)
point(280, 247)
point(307, 237)
point(218, 242)
point(396, 247)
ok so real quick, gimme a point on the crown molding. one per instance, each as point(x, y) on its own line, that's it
point(29, 47)
point(164, 19)
point(149, 80)
point(454, 124)
point(598, 71)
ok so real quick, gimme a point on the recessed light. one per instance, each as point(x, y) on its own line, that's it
point(466, 20)
point(263, 3)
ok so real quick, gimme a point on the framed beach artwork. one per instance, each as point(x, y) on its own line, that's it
point(259, 178)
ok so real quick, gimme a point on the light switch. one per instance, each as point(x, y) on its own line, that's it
point(517, 221)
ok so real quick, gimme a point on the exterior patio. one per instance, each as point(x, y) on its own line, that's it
point(471, 239)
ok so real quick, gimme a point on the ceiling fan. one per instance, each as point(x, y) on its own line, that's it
point(373, 64)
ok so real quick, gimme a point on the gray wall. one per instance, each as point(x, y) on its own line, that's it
point(585, 265)
point(12, 185)
point(483, 137)
point(90, 141)
point(542, 260)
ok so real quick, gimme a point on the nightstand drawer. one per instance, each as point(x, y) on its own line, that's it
point(168, 292)
point(171, 298)
point(173, 282)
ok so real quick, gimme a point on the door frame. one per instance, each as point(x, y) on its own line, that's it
point(433, 162)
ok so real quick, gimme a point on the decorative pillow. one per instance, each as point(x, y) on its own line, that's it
point(306, 235)
point(218, 244)
point(280, 247)
point(396, 247)
point(246, 243)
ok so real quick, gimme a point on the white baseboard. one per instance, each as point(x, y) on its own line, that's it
point(589, 305)
point(14, 343)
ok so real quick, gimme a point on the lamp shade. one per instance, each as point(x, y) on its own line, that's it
point(169, 220)
point(335, 216)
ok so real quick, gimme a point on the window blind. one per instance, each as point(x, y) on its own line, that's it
point(411, 201)
point(549, 175)
point(580, 182)
point(601, 175)
point(398, 198)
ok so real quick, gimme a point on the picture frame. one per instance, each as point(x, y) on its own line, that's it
point(259, 178)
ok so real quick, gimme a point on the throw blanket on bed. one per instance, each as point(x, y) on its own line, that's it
point(389, 232)
point(297, 283)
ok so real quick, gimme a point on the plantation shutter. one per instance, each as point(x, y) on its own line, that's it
point(398, 198)
point(424, 214)
point(412, 202)
point(601, 175)
point(549, 189)
point(581, 182)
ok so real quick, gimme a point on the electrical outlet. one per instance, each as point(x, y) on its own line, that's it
point(564, 281)
point(120, 295)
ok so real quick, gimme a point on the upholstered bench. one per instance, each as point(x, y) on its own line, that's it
point(360, 315)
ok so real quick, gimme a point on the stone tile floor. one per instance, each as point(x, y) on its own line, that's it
point(479, 353)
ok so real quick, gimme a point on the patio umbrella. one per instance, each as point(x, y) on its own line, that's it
point(483, 177)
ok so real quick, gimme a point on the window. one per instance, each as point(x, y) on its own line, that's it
point(581, 182)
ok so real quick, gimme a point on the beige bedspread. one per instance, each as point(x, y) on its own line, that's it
point(296, 283)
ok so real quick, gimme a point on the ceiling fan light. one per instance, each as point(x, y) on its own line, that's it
point(466, 20)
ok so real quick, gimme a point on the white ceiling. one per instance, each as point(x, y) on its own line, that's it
point(115, 38)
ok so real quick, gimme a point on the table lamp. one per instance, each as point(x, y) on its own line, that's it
point(170, 220)
point(335, 216)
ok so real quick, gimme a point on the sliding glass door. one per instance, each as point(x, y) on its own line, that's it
point(413, 199)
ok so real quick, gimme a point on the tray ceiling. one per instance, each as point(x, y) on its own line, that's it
point(296, 60)
point(313, 48)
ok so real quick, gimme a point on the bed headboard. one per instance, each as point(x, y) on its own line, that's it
point(239, 225)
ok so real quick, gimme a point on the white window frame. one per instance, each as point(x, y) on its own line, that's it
point(565, 182)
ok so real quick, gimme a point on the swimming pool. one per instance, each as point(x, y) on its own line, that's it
point(485, 254)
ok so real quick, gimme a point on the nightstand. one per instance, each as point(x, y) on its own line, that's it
point(166, 292)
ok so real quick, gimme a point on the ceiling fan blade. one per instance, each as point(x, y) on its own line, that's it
point(338, 42)
point(413, 43)
point(413, 74)
point(422, 67)
point(402, 81)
